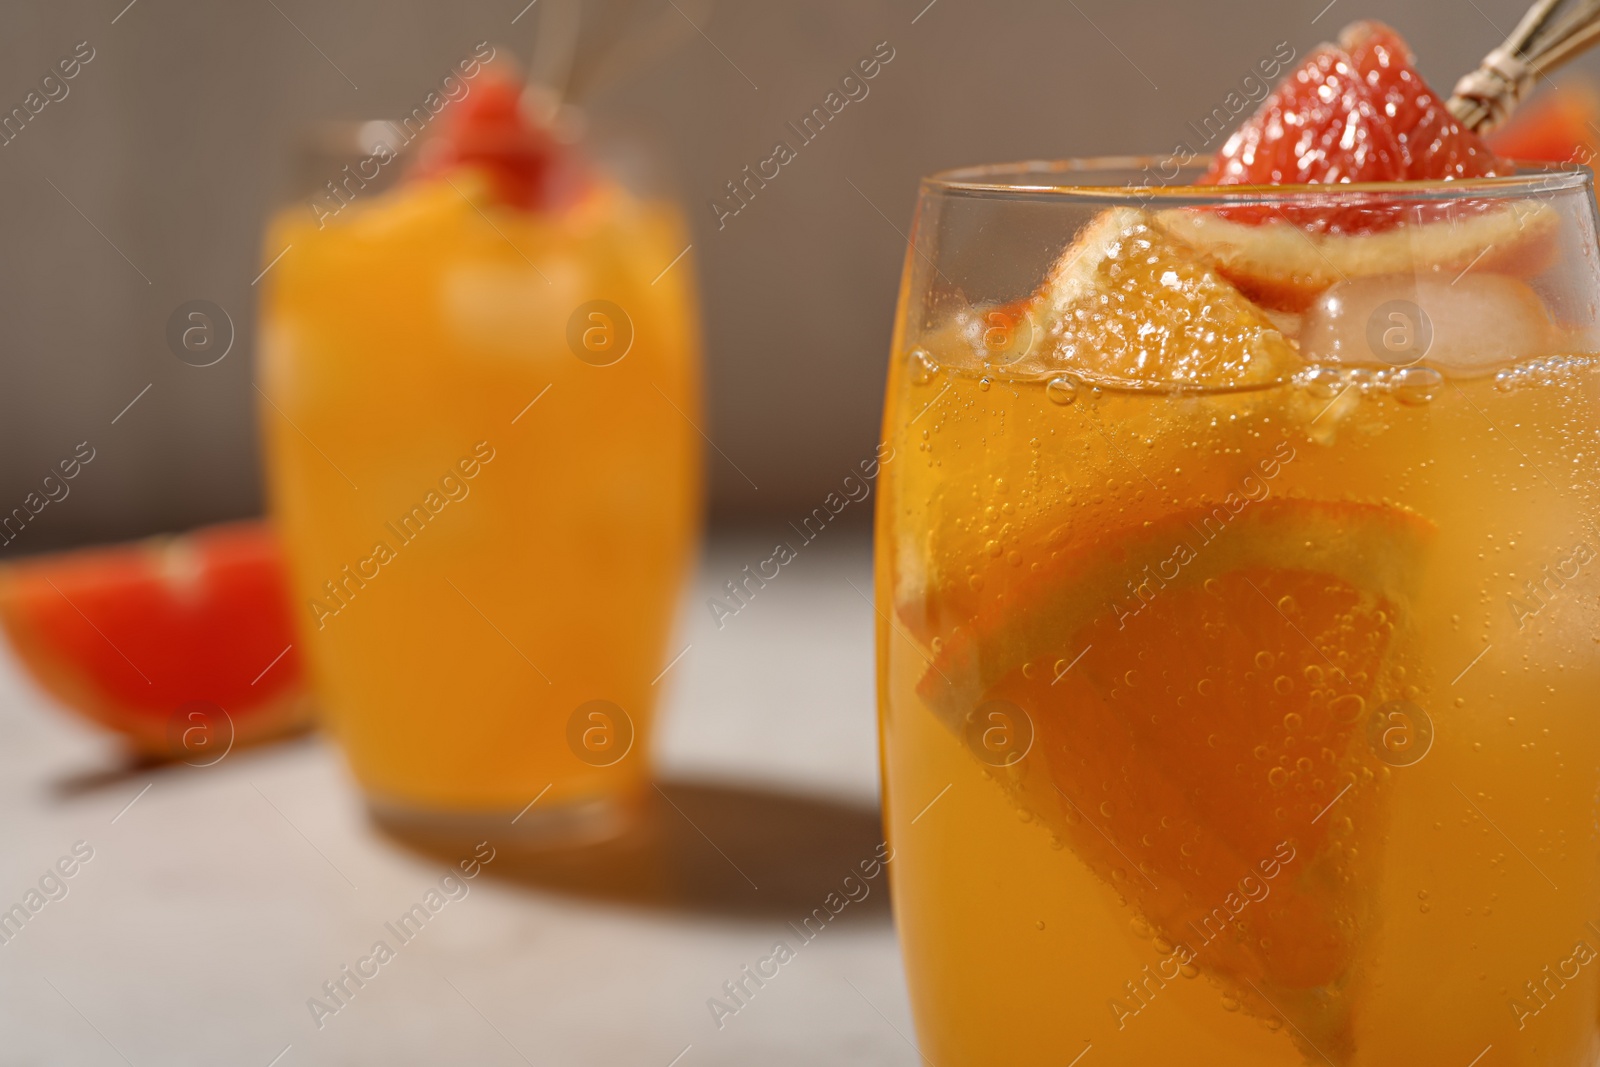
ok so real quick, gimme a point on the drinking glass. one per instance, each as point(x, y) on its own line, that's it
point(479, 436)
point(1238, 639)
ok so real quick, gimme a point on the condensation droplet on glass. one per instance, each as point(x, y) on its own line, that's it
point(1189, 970)
point(1229, 1003)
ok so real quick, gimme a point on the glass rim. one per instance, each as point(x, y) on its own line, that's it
point(1073, 180)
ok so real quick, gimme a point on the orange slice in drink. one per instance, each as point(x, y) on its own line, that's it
point(1125, 306)
point(1129, 302)
point(1199, 690)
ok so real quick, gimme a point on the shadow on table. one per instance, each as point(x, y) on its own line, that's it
point(712, 848)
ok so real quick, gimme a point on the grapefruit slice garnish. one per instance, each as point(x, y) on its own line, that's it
point(1320, 124)
point(1199, 691)
point(1358, 112)
point(143, 638)
point(1433, 143)
point(1279, 265)
point(1128, 302)
point(493, 132)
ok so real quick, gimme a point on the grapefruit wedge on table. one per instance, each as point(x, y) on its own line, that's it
point(149, 639)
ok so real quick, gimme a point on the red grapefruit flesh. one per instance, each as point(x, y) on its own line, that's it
point(1320, 124)
point(1358, 112)
point(137, 637)
point(493, 132)
point(1433, 143)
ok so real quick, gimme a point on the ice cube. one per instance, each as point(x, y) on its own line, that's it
point(1466, 326)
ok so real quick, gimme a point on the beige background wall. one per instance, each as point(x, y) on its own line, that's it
point(148, 184)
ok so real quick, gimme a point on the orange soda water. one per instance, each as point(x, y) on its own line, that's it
point(481, 454)
point(1251, 722)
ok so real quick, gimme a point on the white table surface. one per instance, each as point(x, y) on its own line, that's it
point(224, 897)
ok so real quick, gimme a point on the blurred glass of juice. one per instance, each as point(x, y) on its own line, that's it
point(478, 393)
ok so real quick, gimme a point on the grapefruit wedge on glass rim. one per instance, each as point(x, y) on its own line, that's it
point(183, 645)
point(1358, 112)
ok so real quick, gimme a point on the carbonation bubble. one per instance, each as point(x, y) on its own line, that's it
point(1062, 390)
point(1415, 386)
point(1347, 709)
point(1277, 777)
